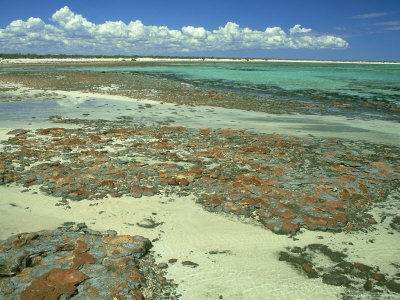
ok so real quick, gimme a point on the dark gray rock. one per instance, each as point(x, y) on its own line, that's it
point(335, 279)
point(393, 286)
point(189, 263)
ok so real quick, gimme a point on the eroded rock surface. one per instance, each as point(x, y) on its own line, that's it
point(319, 261)
point(285, 183)
point(70, 262)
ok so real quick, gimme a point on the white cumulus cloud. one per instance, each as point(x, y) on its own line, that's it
point(72, 33)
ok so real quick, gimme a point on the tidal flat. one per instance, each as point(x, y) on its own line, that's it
point(229, 195)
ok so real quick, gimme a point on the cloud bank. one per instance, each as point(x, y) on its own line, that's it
point(71, 33)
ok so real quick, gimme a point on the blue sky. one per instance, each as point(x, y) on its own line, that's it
point(341, 29)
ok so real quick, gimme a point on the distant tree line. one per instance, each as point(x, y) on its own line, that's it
point(133, 57)
point(32, 55)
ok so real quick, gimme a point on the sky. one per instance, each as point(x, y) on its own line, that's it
point(305, 29)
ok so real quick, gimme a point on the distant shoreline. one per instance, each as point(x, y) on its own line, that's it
point(123, 60)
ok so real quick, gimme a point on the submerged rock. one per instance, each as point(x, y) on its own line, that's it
point(189, 263)
point(335, 279)
point(396, 223)
point(319, 261)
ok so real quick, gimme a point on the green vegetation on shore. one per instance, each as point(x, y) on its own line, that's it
point(41, 56)
point(32, 55)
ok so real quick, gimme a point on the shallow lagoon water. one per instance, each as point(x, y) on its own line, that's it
point(344, 82)
point(93, 107)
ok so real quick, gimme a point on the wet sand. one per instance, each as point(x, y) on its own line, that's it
point(375, 131)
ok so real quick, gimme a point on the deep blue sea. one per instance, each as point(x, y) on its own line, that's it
point(344, 82)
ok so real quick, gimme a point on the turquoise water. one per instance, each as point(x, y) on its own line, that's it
point(343, 82)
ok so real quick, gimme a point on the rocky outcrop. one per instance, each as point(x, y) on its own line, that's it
point(70, 262)
point(319, 261)
point(285, 183)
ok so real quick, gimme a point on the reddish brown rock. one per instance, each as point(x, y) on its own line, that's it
point(341, 217)
point(288, 214)
point(79, 194)
point(333, 206)
point(269, 183)
point(249, 179)
point(214, 202)
point(70, 142)
point(381, 165)
point(289, 228)
point(340, 168)
point(172, 181)
point(139, 191)
point(317, 222)
point(255, 149)
point(108, 182)
point(277, 171)
point(183, 182)
point(178, 128)
point(363, 188)
point(136, 191)
point(29, 181)
point(239, 186)
point(347, 178)
point(195, 171)
point(227, 131)
point(137, 245)
point(258, 202)
point(378, 277)
point(67, 263)
point(230, 207)
point(345, 194)
point(362, 267)
point(205, 131)
point(118, 174)
point(80, 255)
point(147, 191)
point(309, 270)
point(53, 284)
point(52, 131)
point(62, 180)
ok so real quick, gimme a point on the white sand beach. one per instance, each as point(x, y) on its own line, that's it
point(18, 61)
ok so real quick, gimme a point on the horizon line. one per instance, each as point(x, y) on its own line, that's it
point(33, 56)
